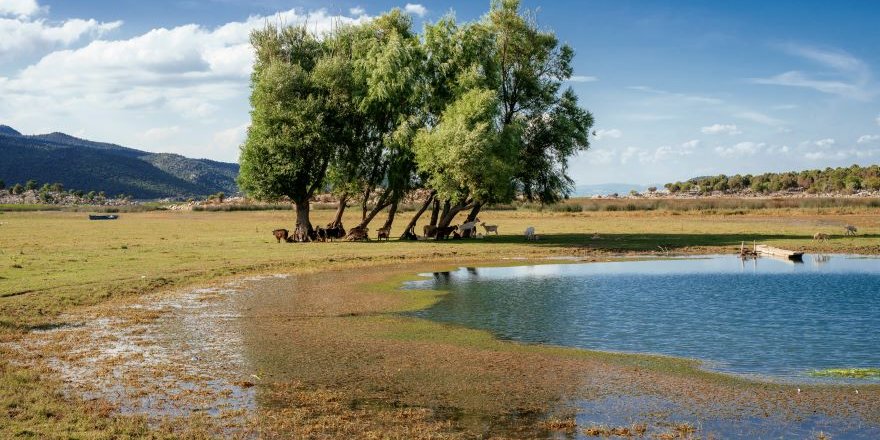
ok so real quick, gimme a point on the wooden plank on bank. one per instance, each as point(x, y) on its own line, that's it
point(778, 252)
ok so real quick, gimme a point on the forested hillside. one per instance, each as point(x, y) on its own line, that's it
point(830, 180)
point(96, 166)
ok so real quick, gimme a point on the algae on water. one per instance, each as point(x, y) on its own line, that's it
point(858, 373)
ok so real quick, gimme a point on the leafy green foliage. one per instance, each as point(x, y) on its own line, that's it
point(829, 180)
point(539, 124)
point(289, 143)
point(463, 154)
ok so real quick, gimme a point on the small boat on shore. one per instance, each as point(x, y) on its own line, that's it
point(103, 217)
point(778, 252)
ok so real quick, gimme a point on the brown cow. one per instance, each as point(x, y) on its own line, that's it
point(430, 230)
point(281, 234)
point(384, 233)
point(358, 234)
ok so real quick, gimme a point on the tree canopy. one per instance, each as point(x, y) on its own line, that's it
point(473, 112)
point(829, 180)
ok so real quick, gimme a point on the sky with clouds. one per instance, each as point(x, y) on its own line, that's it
point(678, 89)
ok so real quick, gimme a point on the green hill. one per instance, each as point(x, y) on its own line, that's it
point(98, 166)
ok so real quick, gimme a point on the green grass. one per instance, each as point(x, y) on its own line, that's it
point(51, 261)
point(854, 373)
point(21, 207)
point(55, 262)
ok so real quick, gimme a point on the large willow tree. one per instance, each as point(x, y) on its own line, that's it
point(300, 115)
point(519, 71)
point(474, 113)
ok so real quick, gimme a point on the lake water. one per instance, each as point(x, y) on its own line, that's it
point(769, 318)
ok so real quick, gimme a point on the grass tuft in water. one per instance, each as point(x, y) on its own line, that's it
point(856, 373)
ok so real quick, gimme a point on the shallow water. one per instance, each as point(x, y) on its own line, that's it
point(769, 318)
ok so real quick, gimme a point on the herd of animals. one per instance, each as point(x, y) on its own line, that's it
point(336, 231)
point(848, 229)
point(456, 232)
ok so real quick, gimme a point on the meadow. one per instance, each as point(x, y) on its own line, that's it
point(53, 264)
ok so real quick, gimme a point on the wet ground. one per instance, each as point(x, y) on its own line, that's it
point(327, 356)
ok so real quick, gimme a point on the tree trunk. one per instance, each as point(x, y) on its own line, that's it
point(471, 217)
point(370, 216)
point(411, 226)
point(390, 219)
point(364, 203)
point(435, 213)
point(301, 233)
point(337, 220)
point(449, 212)
point(447, 205)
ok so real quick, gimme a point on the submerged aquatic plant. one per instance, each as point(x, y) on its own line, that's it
point(859, 373)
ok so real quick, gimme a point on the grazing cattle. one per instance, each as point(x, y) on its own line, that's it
point(281, 234)
point(443, 233)
point(429, 230)
point(301, 236)
point(490, 228)
point(850, 230)
point(530, 233)
point(469, 228)
point(358, 234)
point(819, 236)
point(410, 234)
point(383, 233)
point(320, 234)
point(334, 231)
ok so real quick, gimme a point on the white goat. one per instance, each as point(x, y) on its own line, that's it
point(469, 226)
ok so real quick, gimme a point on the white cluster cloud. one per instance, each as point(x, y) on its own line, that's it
point(749, 148)
point(740, 149)
point(825, 143)
point(659, 154)
point(847, 154)
point(611, 133)
point(23, 34)
point(19, 8)
point(188, 72)
point(729, 129)
point(185, 69)
point(416, 9)
point(868, 138)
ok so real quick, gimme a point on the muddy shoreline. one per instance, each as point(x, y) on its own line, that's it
point(328, 354)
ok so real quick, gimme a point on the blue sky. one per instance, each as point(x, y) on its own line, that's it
point(679, 89)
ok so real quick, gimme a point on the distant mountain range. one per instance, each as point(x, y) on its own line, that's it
point(97, 166)
point(604, 189)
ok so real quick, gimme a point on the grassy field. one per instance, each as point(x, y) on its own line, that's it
point(53, 263)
